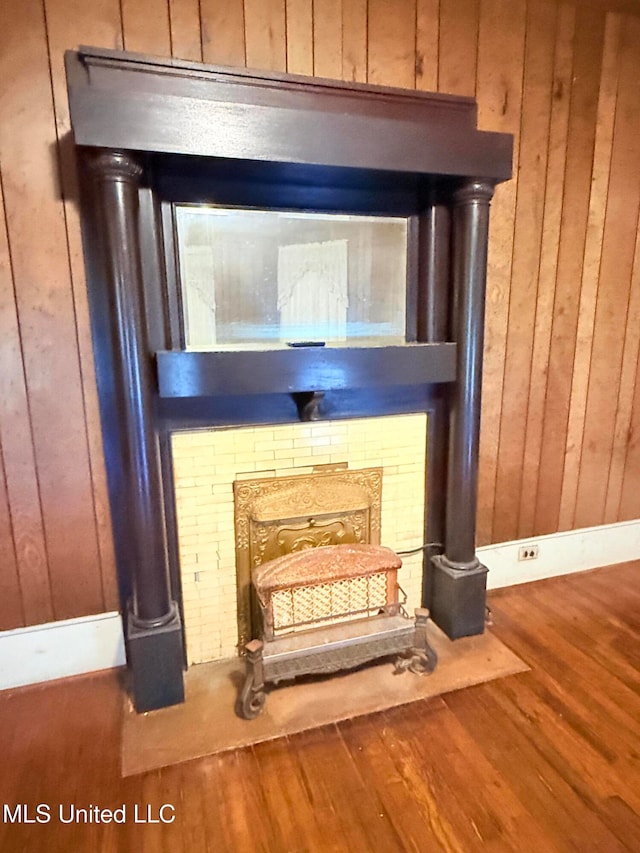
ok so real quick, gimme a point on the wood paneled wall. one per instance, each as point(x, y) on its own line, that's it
point(561, 409)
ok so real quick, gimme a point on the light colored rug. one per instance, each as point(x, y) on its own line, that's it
point(206, 723)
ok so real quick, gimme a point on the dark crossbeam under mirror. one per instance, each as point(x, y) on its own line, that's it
point(162, 143)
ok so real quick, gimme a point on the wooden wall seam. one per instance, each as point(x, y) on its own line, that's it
point(629, 504)
point(223, 32)
point(427, 46)
point(499, 90)
point(588, 48)
point(546, 284)
point(458, 46)
point(527, 244)
point(11, 597)
point(625, 413)
point(355, 40)
point(299, 21)
point(145, 26)
point(614, 297)
point(391, 35)
point(630, 355)
point(264, 33)
point(185, 33)
point(18, 455)
point(591, 268)
point(12, 611)
point(102, 22)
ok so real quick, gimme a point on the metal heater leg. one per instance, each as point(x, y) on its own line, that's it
point(252, 696)
point(421, 658)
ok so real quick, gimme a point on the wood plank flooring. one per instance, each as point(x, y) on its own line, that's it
point(547, 760)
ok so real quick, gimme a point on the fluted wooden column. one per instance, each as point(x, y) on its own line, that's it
point(459, 579)
point(154, 637)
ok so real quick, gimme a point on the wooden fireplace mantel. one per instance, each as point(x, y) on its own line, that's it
point(153, 132)
point(142, 103)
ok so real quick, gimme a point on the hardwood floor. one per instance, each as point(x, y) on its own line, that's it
point(547, 760)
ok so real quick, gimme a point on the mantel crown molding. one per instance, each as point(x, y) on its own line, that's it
point(131, 102)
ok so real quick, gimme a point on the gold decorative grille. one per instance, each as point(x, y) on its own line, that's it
point(277, 515)
point(299, 607)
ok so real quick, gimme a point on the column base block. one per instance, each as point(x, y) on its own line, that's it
point(458, 598)
point(156, 663)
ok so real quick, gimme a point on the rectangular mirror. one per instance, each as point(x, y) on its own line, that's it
point(256, 278)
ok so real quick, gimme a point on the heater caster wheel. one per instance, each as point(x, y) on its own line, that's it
point(253, 705)
point(251, 701)
point(418, 661)
point(423, 661)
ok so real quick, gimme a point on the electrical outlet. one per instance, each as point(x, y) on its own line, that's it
point(528, 552)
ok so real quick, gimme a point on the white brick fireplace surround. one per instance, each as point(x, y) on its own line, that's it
point(206, 463)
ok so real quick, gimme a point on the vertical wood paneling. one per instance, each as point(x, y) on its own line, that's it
point(184, 28)
point(300, 36)
point(591, 267)
point(458, 50)
point(630, 493)
point(354, 40)
point(630, 498)
point(265, 34)
point(623, 203)
point(26, 549)
point(553, 196)
point(427, 44)
point(222, 26)
point(145, 26)
point(561, 408)
point(499, 92)
point(71, 21)
point(11, 615)
point(327, 38)
point(588, 47)
point(11, 611)
point(536, 114)
point(392, 38)
point(630, 369)
point(40, 263)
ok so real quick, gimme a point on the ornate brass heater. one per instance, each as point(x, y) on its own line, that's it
point(327, 609)
point(275, 516)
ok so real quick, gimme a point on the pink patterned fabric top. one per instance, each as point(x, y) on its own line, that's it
point(320, 565)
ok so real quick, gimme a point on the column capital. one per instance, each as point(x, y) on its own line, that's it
point(474, 189)
point(114, 164)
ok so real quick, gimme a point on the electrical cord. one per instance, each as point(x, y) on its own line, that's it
point(488, 614)
point(420, 548)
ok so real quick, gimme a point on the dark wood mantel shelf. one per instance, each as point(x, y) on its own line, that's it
point(286, 371)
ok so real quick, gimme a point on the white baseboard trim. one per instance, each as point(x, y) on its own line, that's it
point(59, 649)
point(562, 553)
